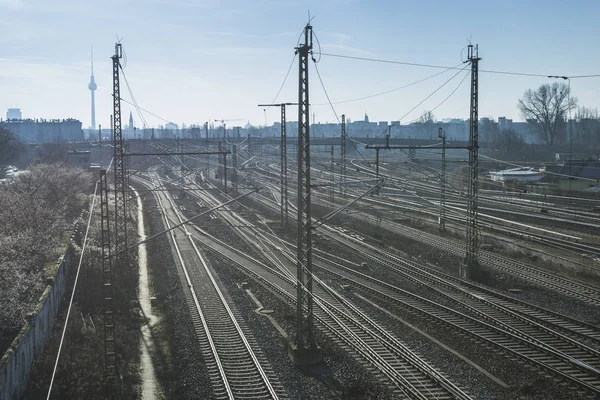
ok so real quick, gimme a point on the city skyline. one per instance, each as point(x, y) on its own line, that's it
point(193, 61)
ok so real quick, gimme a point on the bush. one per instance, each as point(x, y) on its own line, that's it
point(37, 213)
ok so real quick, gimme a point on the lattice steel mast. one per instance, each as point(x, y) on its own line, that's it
point(283, 181)
point(283, 163)
point(107, 278)
point(234, 178)
point(119, 163)
point(442, 222)
point(472, 234)
point(306, 350)
point(343, 157)
point(206, 145)
point(332, 188)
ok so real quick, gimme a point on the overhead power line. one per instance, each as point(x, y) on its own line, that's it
point(451, 93)
point(432, 93)
point(446, 67)
point(390, 90)
point(326, 94)
point(283, 83)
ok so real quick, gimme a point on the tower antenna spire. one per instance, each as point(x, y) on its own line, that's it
point(92, 55)
point(92, 87)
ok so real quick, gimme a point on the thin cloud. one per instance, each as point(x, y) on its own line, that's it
point(246, 35)
point(341, 38)
point(326, 47)
point(181, 3)
point(16, 4)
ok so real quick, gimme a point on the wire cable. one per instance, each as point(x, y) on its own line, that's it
point(432, 93)
point(333, 108)
point(452, 93)
point(145, 125)
point(445, 67)
point(62, 338)
point(390, 90)
point(584, 76)
point(397, 123)
point(282, 83)
point(326, 94)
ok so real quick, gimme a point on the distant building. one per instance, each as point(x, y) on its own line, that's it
point(522, 128)
point(45, 130)
point(14, 113)
point(131, 127)
point(80, 159)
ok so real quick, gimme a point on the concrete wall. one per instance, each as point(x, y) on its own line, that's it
point(16, 363)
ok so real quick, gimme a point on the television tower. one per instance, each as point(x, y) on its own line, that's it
point(92, 86)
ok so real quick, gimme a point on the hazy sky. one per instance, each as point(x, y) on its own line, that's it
point(194, 60)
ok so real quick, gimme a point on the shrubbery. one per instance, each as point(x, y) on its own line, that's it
point(37, 213)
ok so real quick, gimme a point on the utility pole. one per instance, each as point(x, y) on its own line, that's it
point(442, 222)
point(219, 165)
point(343, 156)
point(283, 163)
point(119, 164)
point(206, 145)
point(101, 149)
point(234, 178)
point(377, 161)
point(182, 169)
point(471, 263)
point(283, 181)
point(110, 364)
point(225, 169)
point(332, 192)
point(127, 167)
point(305, 350)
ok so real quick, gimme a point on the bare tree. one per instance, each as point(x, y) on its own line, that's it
point(488, 132)
point(501, 142)
point(588, 125)
point(545, 108)
point(10, 146)
point(510, 142)
point(426, 121)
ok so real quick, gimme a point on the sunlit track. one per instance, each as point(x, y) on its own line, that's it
point(424, 275)
point(237, 371)
point(408, 372)
point(501, 327)
point(555, 345)
point(570, 287)
point(522, 335)
point(518, 206)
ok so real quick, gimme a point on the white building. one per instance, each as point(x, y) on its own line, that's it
point(14, 113)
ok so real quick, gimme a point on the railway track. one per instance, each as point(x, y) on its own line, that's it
point(494, 324)
point(452, 285)
point(576, 289)
point(573, 288)
point(575, 363)
point(408, 373)
point(517, 344)
point(493, 225)
point(237, 370)
point(356, 332)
